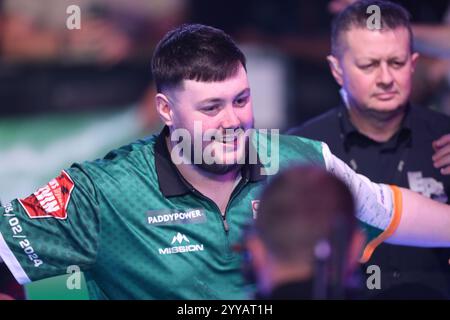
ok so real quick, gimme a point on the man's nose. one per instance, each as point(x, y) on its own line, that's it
point(385, 77)
point(230, 119)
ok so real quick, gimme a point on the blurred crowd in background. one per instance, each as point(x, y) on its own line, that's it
point(47, 68)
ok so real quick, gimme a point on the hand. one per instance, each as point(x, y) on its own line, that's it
point(441, 157)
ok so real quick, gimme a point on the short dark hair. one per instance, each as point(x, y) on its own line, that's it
point(300, 207)
point(355, 16)
point(195, 52)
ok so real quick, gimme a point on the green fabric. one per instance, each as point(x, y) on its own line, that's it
point(55, 289)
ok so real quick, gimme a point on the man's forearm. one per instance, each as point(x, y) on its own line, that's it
point(423, 222)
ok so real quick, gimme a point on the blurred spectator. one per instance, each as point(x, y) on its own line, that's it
point(44, 67)
point(302, 247)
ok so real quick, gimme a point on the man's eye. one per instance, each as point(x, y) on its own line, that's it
point(240, 102)
point(210, 108)
point(398, 64)
point(366, 66)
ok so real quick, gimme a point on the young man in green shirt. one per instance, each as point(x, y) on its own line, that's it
point(157, 219)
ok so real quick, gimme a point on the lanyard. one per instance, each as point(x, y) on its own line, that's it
point(397, 171)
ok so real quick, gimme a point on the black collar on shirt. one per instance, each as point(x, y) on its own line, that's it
point(172, 183)
point(350, 134)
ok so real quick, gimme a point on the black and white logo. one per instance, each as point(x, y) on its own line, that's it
point(428, 187)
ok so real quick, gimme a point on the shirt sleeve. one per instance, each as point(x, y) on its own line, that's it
point(378, 206)
point(54, 228)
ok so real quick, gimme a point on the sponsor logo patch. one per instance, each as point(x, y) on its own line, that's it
point(179, 238)
point(255, 206)
point(428, 187)
point(161, 217)
point(184, 245)
point(51, 200)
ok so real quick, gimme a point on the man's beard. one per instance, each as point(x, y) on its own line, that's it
point(222, 168)
point(219, 169)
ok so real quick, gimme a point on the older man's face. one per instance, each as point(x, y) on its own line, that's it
point(376, 68)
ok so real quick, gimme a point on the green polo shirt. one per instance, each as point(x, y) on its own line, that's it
point(138, 230)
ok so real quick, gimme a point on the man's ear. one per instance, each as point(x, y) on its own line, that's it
point(414, 58)
point(336, 69)
point(164, 108)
